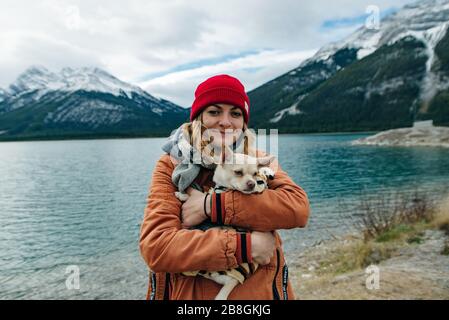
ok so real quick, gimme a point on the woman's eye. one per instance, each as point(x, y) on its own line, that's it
point(238, 173)
point(213, 112)
point(236, 114)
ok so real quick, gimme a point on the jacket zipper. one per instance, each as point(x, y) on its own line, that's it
point(285, 281)
point(275, 289)
point(153, 285)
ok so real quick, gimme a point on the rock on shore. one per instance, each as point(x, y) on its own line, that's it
point(415, 136)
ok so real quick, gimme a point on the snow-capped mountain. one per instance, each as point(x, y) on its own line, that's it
point(40, 81)
point(296, 98)
point(426, 20)
point(86, 101)
point(70, 80)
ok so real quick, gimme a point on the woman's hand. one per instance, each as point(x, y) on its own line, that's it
point(263, 245)
point(193, 209)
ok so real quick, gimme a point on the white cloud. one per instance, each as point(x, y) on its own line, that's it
point(136, 38)
point(253, 70)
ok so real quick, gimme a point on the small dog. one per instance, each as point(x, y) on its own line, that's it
point(247, 175)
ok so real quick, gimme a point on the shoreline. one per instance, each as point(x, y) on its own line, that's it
point(410, 260)
point(416, 271)
point(81, 138)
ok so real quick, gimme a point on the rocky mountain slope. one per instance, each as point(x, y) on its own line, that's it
point(86, 102)
point(372, 80)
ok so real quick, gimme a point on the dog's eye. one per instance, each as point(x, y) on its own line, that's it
point(238, 173)
point(255, 174)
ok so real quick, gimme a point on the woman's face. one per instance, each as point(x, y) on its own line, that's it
point(224, 121)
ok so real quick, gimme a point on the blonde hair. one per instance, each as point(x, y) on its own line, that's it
point(194, 132)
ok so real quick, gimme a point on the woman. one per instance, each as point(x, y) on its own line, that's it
point(170, 245)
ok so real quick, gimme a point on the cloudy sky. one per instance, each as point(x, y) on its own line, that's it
point(169, 46)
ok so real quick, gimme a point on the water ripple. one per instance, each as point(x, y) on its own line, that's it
point(81, 203)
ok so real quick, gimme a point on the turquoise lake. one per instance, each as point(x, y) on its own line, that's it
point(81, 203)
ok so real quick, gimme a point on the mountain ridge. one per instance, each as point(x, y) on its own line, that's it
point(292, 102)
point(84, 103)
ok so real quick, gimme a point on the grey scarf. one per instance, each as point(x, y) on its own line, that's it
point(190, 161)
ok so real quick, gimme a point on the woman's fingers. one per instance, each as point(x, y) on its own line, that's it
point(192, 211)
point(191, 191)
point(186, 223)
point(263, 246)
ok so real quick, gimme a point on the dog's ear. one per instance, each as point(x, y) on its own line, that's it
point(228, 155)
point(265, 161)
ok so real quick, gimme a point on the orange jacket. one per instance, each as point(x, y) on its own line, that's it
point(169, 250)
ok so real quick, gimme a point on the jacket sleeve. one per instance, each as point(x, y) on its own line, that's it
point(165, 246)
point(283, 206)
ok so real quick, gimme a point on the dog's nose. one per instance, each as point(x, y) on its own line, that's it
point(250, 184)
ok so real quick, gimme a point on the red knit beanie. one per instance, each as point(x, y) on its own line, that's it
point(220, 89)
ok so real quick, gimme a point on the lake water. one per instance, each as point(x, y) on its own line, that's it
point(65, 203)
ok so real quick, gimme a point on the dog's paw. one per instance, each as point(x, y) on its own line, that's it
point(181, 196)
point(267, 172)
point(260, 187)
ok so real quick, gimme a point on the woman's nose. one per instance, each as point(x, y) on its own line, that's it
point(225, 121)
